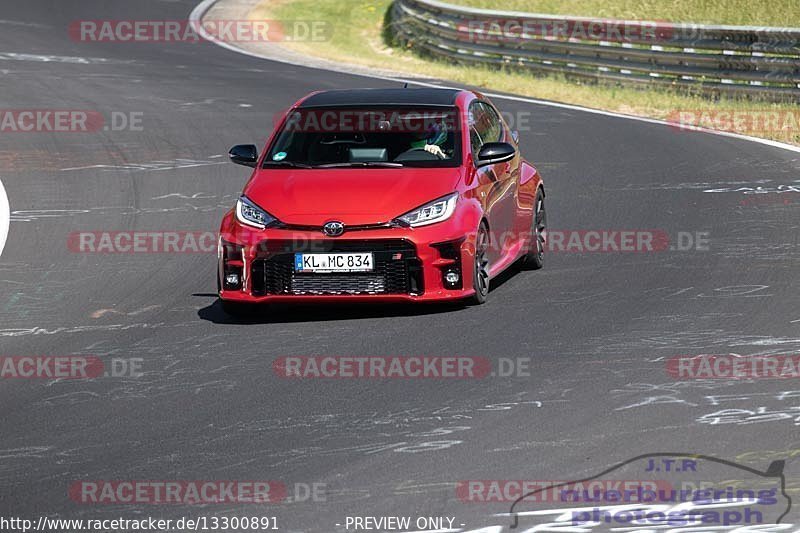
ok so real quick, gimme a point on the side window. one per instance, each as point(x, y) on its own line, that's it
point(494, 127)
point(484, 126)
point(475, 119)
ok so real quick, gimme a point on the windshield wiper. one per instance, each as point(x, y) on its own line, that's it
point(286, 164)
point(361, 164)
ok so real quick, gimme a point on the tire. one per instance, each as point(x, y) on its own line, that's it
point(534, 259)
point(480, 268)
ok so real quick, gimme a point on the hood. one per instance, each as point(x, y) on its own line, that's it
point(353, 196)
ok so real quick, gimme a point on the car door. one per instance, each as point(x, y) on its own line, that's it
point(496, 183)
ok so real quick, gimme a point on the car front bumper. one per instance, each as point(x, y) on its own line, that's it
point(410, 263)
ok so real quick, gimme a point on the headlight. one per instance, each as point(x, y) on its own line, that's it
point(249, 213)
point(432, 212)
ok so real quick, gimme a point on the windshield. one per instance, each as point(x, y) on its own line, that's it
point(367, 137)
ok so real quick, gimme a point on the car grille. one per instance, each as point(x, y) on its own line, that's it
point(397, 269)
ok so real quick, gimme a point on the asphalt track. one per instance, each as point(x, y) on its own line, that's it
point(598, 327)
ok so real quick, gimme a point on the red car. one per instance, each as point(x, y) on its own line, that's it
point(381, 195)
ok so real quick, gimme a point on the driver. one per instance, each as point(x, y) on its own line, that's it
point(432, 140)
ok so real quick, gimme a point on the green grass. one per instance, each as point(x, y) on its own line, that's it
point(739, 12)
point(358, 38)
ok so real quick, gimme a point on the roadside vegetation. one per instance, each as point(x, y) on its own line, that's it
point(737, 12)
point(359, 38)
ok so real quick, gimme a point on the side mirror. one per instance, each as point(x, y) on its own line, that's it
point(244, 154)
point(492, 153)
point(515, 136)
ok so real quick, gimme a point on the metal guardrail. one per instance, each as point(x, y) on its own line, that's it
point(736, 60)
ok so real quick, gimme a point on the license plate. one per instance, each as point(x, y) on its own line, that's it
point(322, 263)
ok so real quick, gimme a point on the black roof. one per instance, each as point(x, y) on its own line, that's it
point(398, 96)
